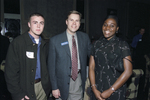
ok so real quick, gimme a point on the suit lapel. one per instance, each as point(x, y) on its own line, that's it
point(79, 45)
point(66, 46)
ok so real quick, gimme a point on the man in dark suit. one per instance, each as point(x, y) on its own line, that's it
point(67, 62)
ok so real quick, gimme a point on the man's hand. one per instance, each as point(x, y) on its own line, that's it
point(26, 97)
point(56, 93)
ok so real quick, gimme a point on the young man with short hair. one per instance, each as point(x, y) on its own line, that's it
point(26, 70)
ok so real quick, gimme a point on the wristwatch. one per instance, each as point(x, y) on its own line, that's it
point(112, 89)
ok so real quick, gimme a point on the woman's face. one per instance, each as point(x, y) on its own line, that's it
point(109, 28)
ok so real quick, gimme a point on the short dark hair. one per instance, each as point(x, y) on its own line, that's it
point(114, 17)
point(74, 12)
point(35, 14)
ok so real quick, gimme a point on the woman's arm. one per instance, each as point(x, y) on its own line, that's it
point(121, 80)
point(92, 78)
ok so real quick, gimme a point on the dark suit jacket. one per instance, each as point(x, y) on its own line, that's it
point(20, 69)
point(59, 62)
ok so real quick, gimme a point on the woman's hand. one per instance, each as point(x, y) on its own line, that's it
point(107, 93)
point(98, 95)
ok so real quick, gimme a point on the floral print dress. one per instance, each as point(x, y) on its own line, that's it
point(106, 52)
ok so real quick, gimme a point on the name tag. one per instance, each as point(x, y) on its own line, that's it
point(30, 54)
point(64, 43)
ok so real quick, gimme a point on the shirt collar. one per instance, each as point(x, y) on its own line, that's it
point(32, 38)
point(70, 36)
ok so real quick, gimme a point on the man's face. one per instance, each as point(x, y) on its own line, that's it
point(73, 23)
point(36, 26)
point(142, 31)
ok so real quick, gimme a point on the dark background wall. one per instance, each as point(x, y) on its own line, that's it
point(133, 14)
point(55, 12)
point(138, 16)
point(99, 9)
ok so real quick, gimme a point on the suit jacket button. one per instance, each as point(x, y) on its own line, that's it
point(32, 83)
point(32, 70)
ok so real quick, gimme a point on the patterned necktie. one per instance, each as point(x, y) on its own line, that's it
point(74, 60)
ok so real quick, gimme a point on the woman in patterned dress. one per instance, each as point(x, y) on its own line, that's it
point(107, 80)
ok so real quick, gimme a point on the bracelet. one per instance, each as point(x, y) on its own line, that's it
point(93, 85)
point(112, 89)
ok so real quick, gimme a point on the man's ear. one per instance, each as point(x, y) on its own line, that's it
point(29, 24)
point(66, 22)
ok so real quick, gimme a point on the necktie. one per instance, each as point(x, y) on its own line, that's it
point(74, 60)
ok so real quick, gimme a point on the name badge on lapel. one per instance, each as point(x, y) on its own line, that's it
point(30, 54)
point(64, 43)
